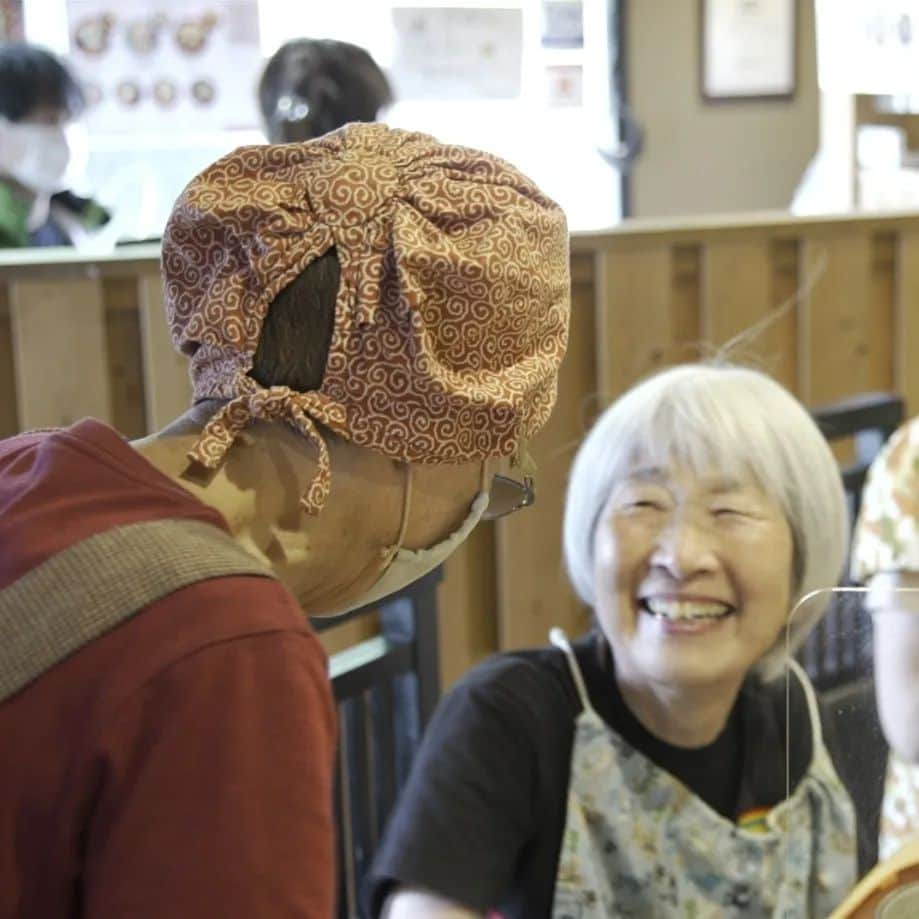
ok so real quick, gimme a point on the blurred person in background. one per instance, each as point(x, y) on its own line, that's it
point(312, 86)
point(39, 99)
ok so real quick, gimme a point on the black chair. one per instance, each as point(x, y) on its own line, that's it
point(853, 734)
point(869, 419)
point(838, 651)
point(386, 689)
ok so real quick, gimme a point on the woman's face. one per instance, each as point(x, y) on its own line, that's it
point(692, 576)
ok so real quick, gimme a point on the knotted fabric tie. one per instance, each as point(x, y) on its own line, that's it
point(278, 403)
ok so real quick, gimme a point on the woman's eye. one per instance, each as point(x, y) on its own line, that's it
point(645, 504)
point(727, 512)
point(634, 500)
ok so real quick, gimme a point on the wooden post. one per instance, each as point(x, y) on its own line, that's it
point(906, 335)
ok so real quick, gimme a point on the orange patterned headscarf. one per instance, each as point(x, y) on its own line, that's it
point(452, 311)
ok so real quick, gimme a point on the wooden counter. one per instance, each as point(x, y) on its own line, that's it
point(86, 336)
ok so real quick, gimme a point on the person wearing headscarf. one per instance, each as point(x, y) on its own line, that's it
point(374, 322)
point(312, 86)
point(39, 98)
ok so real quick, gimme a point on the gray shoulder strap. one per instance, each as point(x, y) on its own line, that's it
point(89, 588)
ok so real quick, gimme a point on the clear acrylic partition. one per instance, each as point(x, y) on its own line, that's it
point(861, 717)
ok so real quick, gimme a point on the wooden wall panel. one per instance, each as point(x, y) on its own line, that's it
point(125, 362)
point(846, 332)
point(881, 319)
point(648, 311)
point(533, 590)
point(59, 352)
point(167, 385)
point(788, 281)
point(686, 341)
point(743, 284)
point(735, 287)
point(634, 321)
point(9, 416)
point(906, 336)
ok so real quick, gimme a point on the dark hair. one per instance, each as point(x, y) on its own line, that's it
point(334, 82)
point(294, 343)
point(31, 77)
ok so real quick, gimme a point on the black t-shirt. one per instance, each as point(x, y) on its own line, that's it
point(481, 819)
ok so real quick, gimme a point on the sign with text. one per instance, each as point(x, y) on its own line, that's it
point(457, 53)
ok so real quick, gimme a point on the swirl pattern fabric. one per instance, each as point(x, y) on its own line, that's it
point(451, 317)
point(886, 536)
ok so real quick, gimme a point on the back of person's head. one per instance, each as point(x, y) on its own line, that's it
point(310, 87)
point(32, 80)
point(411, 297)
point(741, 422)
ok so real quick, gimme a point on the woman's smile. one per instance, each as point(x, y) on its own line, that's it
point(682, 609)
point(698, 569)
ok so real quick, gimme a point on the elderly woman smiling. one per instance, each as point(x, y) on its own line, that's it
point(641, 771)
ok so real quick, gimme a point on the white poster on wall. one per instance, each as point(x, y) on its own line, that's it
point(868, 46)
point(457, 53)
point(167, 66)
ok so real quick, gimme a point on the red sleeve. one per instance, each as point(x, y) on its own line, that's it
point(215, 789)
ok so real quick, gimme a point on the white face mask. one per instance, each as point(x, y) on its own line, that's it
point(35, 155)
point(408, 565)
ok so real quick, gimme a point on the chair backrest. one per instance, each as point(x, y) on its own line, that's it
point(838, 651)
point(869, 419)
point(386, 689)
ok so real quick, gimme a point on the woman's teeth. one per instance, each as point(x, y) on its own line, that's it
point(685, 609)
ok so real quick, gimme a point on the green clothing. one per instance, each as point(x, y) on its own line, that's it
point(14, 216)
point(14, 219)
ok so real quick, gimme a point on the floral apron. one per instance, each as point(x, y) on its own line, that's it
point(637, 843)
point(900, 809)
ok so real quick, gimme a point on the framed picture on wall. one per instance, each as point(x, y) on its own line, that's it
point(11, 20)
point(748, 49)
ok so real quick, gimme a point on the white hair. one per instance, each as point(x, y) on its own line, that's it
point(731, 418)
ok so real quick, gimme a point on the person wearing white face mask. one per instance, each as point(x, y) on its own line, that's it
point(39, 99)
point(375, 323)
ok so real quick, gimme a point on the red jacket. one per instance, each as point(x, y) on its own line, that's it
point(182, 764)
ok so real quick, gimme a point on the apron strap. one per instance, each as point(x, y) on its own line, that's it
point(560, 640)
point(813, 709)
